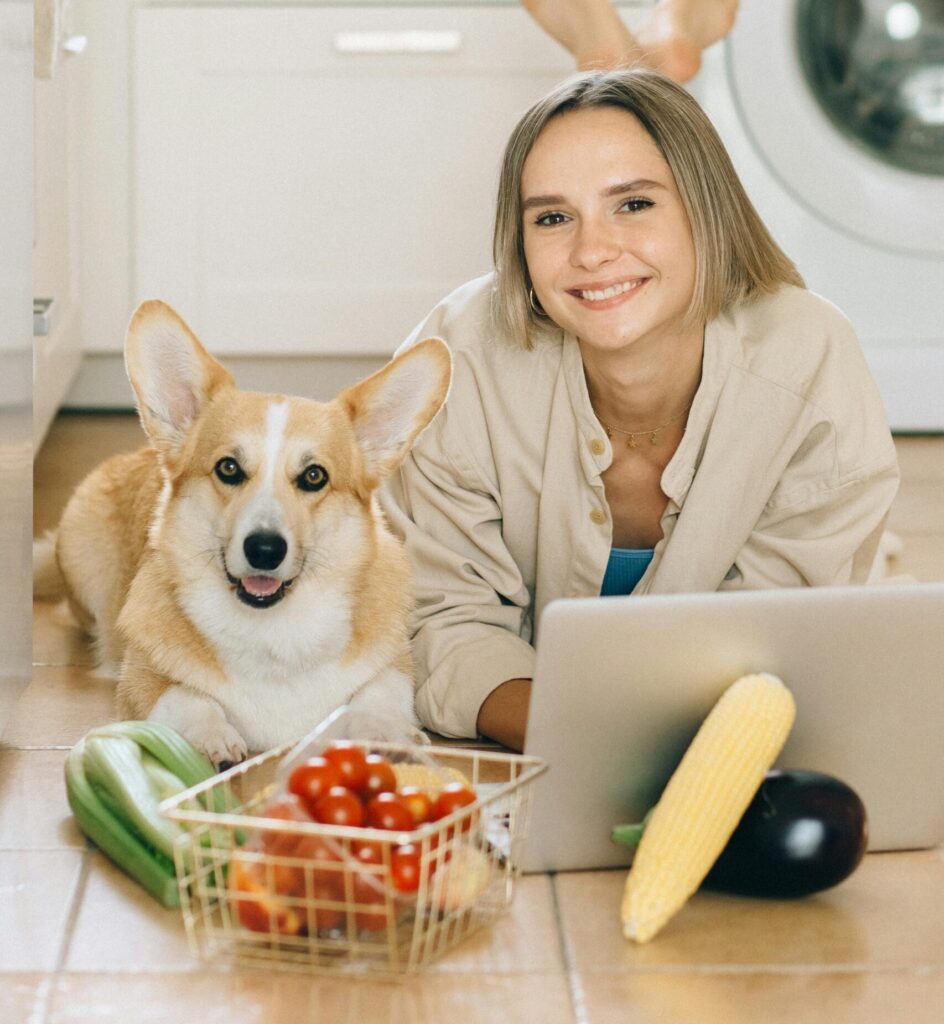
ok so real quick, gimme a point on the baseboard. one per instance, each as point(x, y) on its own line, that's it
point(911, 380)
point(102, 383)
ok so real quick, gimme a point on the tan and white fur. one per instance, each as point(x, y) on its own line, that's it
point(236, 574)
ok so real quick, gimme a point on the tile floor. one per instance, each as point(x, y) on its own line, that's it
point(82, 943)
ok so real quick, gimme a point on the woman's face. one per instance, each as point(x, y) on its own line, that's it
point(606, 238)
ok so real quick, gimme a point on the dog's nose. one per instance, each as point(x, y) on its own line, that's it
point(265, 550)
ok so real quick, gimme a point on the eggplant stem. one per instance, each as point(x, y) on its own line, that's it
point(630, 835)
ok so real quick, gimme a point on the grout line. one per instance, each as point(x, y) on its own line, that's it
point(578, 1000)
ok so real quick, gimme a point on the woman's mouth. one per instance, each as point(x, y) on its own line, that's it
point(610, 295)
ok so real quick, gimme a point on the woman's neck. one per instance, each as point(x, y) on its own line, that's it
point(644, 385)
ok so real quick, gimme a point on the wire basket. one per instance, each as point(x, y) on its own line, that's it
point(292, 895)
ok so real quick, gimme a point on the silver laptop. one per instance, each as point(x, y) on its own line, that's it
point(622, 684)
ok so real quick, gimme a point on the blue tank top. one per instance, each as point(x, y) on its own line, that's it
point(624, 570)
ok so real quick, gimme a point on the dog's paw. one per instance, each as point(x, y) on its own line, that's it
point(220, 742)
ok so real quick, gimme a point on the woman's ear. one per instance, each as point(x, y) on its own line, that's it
point(172, 374)
point(392, 407)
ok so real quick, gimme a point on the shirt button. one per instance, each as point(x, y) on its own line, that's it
point(598, 516)
point(597, 446)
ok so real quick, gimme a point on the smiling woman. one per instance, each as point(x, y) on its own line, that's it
point(646, 399)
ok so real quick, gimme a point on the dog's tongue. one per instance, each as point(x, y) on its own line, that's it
point(261, 586)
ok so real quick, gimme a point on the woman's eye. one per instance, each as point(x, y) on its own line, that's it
point(312, 478)
point(636, 205)
point(547, 220)
point(229, 471)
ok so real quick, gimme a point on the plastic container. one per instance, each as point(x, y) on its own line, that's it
point(292, 894)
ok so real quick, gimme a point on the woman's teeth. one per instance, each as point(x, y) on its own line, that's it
point(611, 292)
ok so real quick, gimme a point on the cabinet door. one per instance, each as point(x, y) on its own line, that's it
point(312, 180)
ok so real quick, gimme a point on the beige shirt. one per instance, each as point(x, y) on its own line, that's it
point(784, 477)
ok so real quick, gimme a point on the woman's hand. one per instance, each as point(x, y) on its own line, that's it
point(503, 715)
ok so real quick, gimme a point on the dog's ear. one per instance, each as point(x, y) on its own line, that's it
point(392, 407)
point(172, 374)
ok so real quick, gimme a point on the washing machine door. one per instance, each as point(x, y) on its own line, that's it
point(861, 82)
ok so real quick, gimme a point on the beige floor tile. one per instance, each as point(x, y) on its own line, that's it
point(59, 707)
point(762, 998)
point(22, 996)
point(34, 812)
point(76, 444)
point(922, 556)
point(919, 507)
point(121, 927)
point(57, 639)
point(525, 938)
point(36, 893)
point(255, 998)
point(889, 914)
point(920, 458)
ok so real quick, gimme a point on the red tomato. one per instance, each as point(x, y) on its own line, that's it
point(367, 891)
point(420, 804)
point(314, 854)
point(389, 811)
point(380, 777)
point(339, 806)
point(327, 887)
point(257, 909)
point(451, 798)
point(350, 761)
point(313, 779)
point(375, 847)
point(287, 808)
point(405, 867)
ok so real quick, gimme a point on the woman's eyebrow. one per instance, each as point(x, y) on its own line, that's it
point(632, 186)
point(613, 190)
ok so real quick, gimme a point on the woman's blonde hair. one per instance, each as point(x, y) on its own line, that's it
point(735, 255)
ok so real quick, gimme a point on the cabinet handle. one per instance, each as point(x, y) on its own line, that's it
point(409, 41)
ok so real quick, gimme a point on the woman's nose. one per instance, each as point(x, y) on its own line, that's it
point(595, 245)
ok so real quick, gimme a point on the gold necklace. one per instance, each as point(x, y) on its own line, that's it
point(633, 434)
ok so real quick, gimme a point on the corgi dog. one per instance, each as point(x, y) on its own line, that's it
point(236, 574)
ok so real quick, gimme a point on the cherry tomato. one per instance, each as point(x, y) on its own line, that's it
point(313, 853)
point(257, 909)
point(375, 847)
point(326, 887)
point(311, 780)
point(451, 798)
point(389, 811)
point(287, 808)
point(405, 867)
point(350, 761)
point(419, 802)
point(367, 891)
point(380, 777)
point(339, 806)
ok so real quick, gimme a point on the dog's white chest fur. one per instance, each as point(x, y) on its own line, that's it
point(284, 668)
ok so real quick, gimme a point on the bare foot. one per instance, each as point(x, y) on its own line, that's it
point(591, 30)
point(675, 33)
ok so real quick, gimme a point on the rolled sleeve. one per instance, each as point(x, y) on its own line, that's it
point(472, 605)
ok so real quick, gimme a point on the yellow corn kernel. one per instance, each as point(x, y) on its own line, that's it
point(705, 799)
point(430, 780)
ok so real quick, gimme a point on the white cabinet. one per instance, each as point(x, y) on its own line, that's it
point(311, 180)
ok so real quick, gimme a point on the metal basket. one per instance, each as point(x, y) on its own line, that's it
point(468, 867)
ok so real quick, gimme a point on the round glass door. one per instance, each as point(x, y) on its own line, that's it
point(876, 68)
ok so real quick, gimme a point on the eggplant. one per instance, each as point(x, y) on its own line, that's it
point(803, 832)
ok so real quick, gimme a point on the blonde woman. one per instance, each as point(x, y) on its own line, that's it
point(646, 400)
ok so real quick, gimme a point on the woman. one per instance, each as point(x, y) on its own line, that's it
point(646, 399)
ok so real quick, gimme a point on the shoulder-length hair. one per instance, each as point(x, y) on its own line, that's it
point(735, 255)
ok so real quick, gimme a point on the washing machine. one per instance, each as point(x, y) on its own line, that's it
point(833, 113)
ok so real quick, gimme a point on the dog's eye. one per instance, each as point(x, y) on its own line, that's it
point(229, 471)
point(312, 478)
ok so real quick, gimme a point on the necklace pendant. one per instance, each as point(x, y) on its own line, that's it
point(631, 443)
point(652, 437)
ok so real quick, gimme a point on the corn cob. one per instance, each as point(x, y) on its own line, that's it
point(705, 799)
point(430, 780)
point(116, 777)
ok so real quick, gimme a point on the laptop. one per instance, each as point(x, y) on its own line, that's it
point(622, 684)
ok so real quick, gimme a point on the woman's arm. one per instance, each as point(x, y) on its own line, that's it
point(504, 713)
